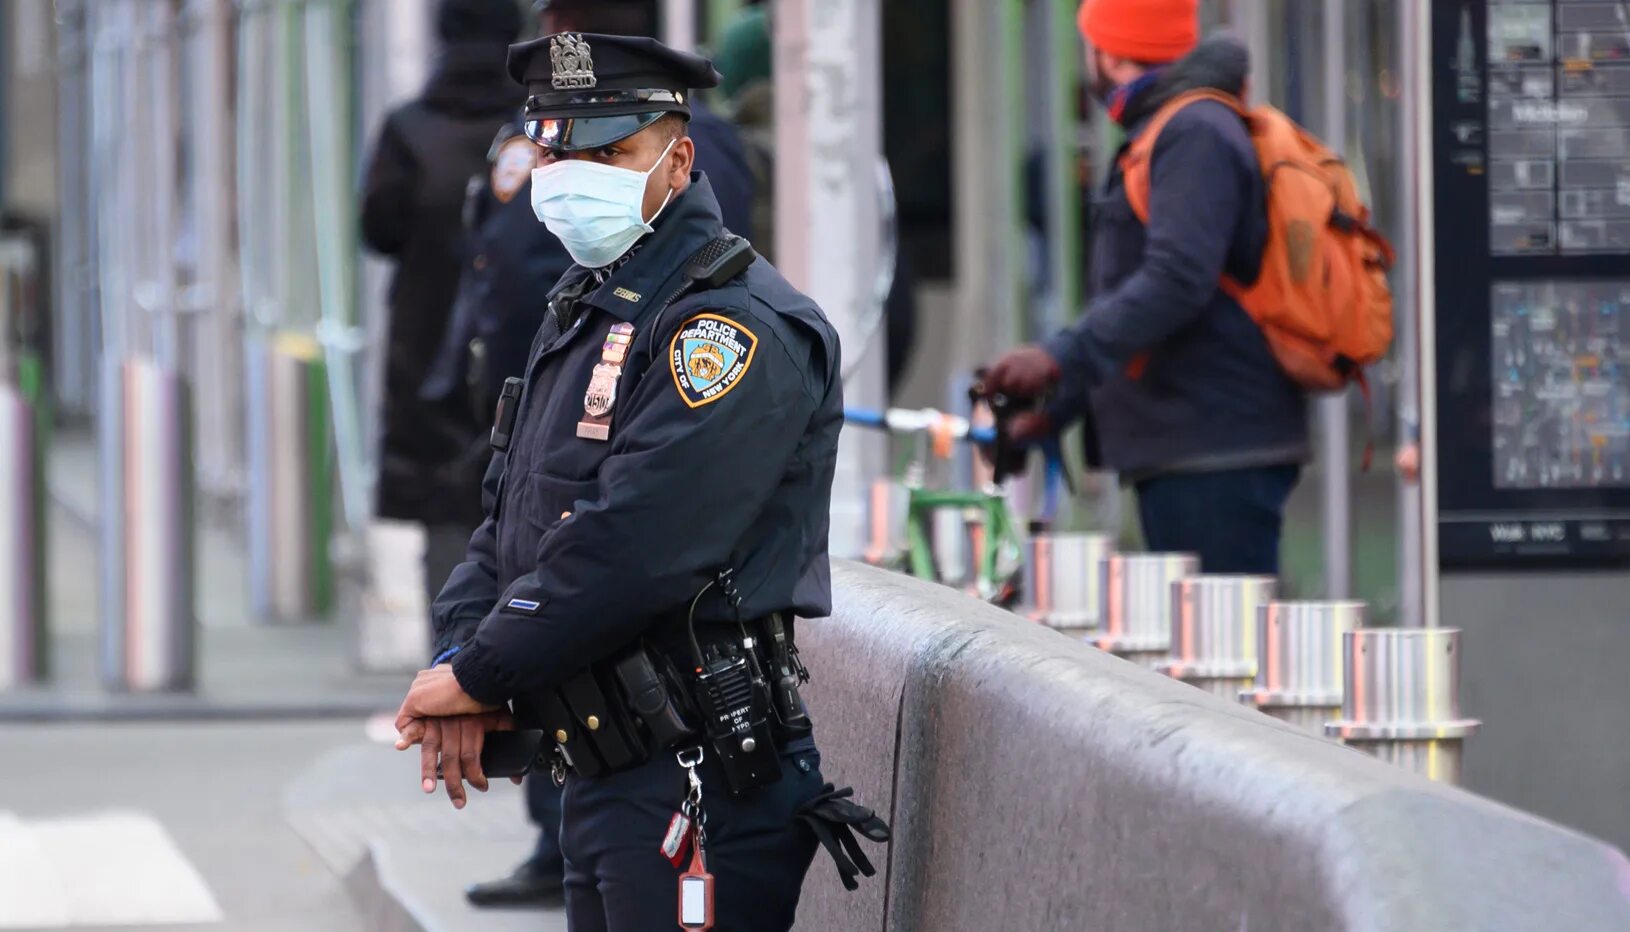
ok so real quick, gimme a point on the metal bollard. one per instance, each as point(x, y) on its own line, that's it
point(1137, 623)
point(1214, 637)
point(1064, 579)
point(147, 638)
point(1299, 667)
point(1402, 701)
point(23, 642)
point(957, 534)
point(290, 480)
point(888, 509)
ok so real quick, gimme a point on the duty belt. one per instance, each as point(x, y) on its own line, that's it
point(739, 695)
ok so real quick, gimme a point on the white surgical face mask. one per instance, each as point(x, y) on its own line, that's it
point(597, 211)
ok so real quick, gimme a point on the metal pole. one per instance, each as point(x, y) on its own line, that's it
point(1415, 83)
point(162, 66)
point(828, 223)
point(1250, 19)
point(213, 295)
point(986, 131)
point(147, 598)
point(8, 28)
point(1063, 184)
point(74, 278)
point(1426, 308)
point(679, 24)
point(1333, 422)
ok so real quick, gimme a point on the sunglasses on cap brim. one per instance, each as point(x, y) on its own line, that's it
point(576, 135)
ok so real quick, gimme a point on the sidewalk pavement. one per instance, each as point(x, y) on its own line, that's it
point(246, 669)
point(160, 808)
point(406, 856)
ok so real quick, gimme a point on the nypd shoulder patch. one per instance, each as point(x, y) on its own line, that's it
point(709, 355)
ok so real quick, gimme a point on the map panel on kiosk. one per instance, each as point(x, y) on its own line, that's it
point(1531, 205)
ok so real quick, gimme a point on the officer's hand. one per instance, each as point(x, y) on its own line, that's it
point(435, 693)
point(460, 742)
point(1026, 372)
point(413, 733)
point(455, 743)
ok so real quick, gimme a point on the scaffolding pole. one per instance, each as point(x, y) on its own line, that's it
point(829, 218)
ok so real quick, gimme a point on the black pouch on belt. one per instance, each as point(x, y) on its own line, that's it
point(834, 819)
point(652, 698)
point(599, 734)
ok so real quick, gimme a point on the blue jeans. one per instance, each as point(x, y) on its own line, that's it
point(1231, 518)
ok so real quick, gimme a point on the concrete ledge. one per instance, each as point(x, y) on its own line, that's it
point(1035, 783)
point(378, 899)
point(409, 885)
point(406, 857)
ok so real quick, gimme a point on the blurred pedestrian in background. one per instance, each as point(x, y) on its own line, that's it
point(412, 196)
point(1188, 401)
point(511, 263)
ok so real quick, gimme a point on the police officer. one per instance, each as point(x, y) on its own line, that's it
point(513, 259)
point(657, 513)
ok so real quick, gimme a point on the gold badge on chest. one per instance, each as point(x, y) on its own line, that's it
point(601, 396)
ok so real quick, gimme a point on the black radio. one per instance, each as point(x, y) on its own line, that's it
point(503, 421)
point(735, 705)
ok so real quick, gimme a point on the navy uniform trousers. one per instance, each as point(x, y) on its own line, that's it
point(757, 849)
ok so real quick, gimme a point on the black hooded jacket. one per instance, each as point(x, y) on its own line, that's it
point(1211, 396)
point(413, 194)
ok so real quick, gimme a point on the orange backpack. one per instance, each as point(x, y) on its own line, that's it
point(1322, 297)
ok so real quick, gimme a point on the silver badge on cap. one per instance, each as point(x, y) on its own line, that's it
point(573, 65)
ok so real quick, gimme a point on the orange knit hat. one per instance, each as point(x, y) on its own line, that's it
point(1150, 31)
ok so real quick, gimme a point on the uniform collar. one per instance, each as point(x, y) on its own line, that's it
point(691, 221)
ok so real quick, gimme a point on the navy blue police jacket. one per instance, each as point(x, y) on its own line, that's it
point(1211, 396)
point(722, 446)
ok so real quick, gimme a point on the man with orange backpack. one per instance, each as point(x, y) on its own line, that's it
point(1232, 270)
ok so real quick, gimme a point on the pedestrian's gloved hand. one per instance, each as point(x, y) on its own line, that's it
point(1026, 372)
point(1029, 427)
point(834, 819)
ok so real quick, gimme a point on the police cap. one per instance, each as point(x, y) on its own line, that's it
point(586, 90)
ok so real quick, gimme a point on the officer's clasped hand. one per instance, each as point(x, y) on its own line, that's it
point(1025, 372)
point(450, 729)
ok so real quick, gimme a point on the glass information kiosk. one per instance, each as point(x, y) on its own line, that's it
point(1531, 197)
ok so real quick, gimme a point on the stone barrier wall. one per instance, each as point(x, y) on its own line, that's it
point(1035, 784)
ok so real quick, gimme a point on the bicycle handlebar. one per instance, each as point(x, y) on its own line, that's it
point(927, 420)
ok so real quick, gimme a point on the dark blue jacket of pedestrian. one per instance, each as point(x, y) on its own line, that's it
point(411, 196)
point(513, 261)
point(1211, 396)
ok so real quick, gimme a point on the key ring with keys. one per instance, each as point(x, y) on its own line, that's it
point(690, 759)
